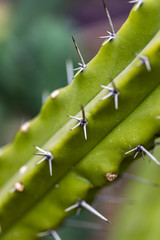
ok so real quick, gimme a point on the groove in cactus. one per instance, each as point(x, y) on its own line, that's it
point(79, 165)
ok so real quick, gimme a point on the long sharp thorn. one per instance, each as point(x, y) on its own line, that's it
point(78, 119)
point(50, 166)
point(55, 235)
point(116, 101)
point(148, 66)
point(39, 149)
point(85, 132)
point(106, 41)
point(109, 18)
point(132, 150)
point(52, 233)
point(78, 68)
point(150, 155)
point(138, 3)
point(106, 87)
point(78, 72)
point(72, 207)
point(108, 95)
point(83, 113)
point(78, 51)
point(145, 61)
point(75, 126)
point(40, 154)
point(92, 210)
point(136, 154)
point(43, 159)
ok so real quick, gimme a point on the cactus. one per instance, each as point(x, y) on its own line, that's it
point(145, 223)
point(33, 199)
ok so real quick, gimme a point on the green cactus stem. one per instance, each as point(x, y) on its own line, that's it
point(80, 164)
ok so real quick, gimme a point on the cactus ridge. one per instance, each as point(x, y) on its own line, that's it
point(79, 165)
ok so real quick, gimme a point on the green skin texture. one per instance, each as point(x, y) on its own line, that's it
point(141, 219)
point(79, 166)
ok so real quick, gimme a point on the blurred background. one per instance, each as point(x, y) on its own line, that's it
point(35, 44)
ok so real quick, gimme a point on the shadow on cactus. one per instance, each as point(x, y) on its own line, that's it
point(114, 121)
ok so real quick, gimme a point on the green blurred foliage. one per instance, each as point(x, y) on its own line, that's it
point(33, 63)
point(32, 56)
